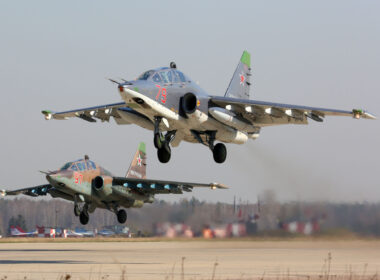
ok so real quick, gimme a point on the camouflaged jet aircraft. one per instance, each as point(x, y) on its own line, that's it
point(165, 100)
point(90, 186)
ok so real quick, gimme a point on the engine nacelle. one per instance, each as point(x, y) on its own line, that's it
point(102, 185)
point(189, 103)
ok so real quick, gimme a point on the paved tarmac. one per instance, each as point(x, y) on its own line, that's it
point(163, 260)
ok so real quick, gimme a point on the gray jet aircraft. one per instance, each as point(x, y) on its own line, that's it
point(176, 109)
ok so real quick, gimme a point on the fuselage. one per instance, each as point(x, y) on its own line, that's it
point(168, 90)
point(88, 182)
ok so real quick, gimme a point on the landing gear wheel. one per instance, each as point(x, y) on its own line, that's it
point(157, 141)
point(121, 216)
point(164, 153)
point(76, 210)
point(219, 152)
point(84, 218)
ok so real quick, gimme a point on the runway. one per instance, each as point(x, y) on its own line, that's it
point(163, 259)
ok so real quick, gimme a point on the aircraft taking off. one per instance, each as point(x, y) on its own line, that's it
point(90, 186)
point(166, 101)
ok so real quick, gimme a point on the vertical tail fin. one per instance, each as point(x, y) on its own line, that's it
point(137, 169)
point(240, 82)
point(16, 230)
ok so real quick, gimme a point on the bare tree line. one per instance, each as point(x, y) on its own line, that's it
point(361, 218)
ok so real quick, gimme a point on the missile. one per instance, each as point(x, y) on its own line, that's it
point(314, 117)
point(229, 118)
point(48, 114)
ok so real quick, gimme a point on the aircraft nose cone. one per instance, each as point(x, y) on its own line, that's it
point(126, 84)
point(52, 178)
point(49, 177)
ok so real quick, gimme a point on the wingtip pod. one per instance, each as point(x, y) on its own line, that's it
point(359, 113)
point(214, 186)
point(246, 58)
point(48, 114)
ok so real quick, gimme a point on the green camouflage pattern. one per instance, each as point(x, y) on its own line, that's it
point(84, 181)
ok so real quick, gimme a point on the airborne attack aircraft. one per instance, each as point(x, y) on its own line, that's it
point(165, 100)
point(90, 186)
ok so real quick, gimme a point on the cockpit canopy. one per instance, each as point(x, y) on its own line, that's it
point(144, 76)
point(164, 75)
point(79, 165)
point(84, 165)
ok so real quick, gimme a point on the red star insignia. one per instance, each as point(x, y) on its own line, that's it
point(242, 78)
point(139, 160)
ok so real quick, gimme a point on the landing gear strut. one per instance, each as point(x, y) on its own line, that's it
point(219, 151)
point(76, 210)
point(162, 142)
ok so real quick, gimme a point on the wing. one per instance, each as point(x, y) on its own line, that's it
point(149, 186)
point(261, 113)
point(32, 191)
point(90, 114)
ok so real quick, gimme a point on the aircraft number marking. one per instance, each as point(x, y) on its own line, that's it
point(78, 178)
point(161, 93)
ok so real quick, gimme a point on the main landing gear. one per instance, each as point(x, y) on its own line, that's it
point(83, 212)
point(84, 217)
point(162, 142)
point(219, 151)
point(121, 214)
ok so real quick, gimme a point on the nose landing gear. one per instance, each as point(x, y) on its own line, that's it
point(84, 217)
point(219, 153)
point(82, 212)
point(162, 142)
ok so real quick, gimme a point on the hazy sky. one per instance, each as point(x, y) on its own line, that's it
point(56, 54)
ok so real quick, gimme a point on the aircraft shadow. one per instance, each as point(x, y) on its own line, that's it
point(42, 262)
point(40, 250)
point(66, 262)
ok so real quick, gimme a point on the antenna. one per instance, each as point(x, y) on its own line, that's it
point(173, 65)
